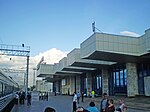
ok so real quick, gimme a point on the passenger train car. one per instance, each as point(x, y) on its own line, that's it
point(8, 88)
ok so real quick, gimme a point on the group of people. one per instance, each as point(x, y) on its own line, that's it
point(43, 96)
point(106, 105)
point(20, 97)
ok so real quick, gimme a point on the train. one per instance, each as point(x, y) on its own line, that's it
point(8, 89)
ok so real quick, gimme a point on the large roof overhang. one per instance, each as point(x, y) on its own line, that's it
point(68, 73)
point(60, 75)
point(45, 75)
point(92, 63)
point(78, 69)
point(145, 57)
point(55, 78)
point(116, 57)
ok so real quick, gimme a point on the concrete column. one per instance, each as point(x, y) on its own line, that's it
point(89, 82)
point(132, 79)
point(147, 85)
point(72, 84)
point(105, 76)
point(57, 86)
point(78, 83)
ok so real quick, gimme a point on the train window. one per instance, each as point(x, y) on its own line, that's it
point(4, 86)
point(1, 89)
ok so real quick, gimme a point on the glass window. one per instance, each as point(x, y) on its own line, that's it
point(4, 89)
point(125, 73)
point(117, 78)
point(125, 76)
point(121, 78)
point(98, 82)
point(85, 82)
point(114, 78)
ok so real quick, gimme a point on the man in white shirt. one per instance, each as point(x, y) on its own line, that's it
point(74, 102)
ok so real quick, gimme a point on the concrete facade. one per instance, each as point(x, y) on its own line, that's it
point(69, 86)
point(116, 57)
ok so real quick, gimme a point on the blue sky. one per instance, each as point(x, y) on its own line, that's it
point(64, 24)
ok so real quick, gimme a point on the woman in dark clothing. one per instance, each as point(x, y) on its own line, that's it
point(111, 107)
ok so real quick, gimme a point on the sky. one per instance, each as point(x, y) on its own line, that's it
point(52, 28)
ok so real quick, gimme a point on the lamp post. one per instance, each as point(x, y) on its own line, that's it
point(27, 72)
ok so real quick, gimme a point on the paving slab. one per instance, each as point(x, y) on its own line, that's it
point(64, 104)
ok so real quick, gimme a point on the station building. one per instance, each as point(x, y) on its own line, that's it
point(109, 63)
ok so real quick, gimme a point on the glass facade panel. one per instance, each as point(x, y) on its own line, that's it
point(125, 77)
point(121, 78)
point(97, 82)
point(143, 70)
point(114, 78)
point(85, 83)
point(118, 79)
point(98, 79)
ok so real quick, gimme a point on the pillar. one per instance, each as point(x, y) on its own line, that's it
point(105, 76)
point(54, 86)
point(72, 84)
point(89, 83)
point(78, 83)
point(147, 85)
point(132, 79)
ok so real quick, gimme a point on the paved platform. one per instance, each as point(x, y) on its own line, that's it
point(64, 104)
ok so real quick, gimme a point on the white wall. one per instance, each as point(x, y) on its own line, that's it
point(117, 44)
point(73, 56)
point(45, 69)
point(88, 46)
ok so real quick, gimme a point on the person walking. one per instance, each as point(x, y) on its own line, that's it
point(22, 98)
point(47, 96)
point(82, 96)
point(104, 103)
point(29, 99)
point(74, 102)
point(40, 96)
point(78, 97)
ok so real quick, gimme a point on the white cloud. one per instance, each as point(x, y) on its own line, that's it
point(128, 33)
point(51, 56)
